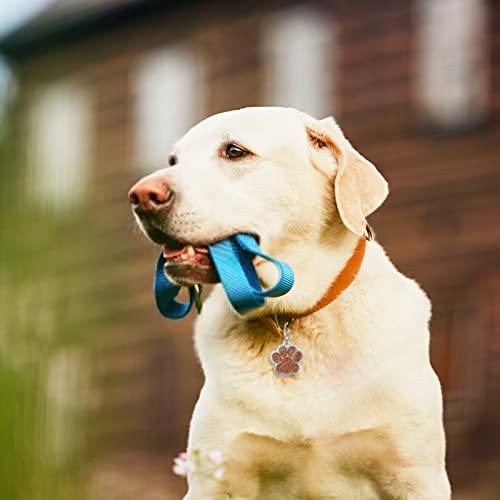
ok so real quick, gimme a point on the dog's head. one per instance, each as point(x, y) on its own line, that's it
point(291, 180)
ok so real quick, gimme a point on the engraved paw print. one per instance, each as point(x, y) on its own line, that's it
point(286, 360)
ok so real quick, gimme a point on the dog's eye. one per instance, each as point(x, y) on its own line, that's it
point(234, 152)
point(172, 160)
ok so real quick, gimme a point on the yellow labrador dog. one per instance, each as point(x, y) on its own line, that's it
point(362, 419)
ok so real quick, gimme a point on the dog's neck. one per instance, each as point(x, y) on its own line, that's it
point(316, 267)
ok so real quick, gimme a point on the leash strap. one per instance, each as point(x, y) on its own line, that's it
point(233, 260)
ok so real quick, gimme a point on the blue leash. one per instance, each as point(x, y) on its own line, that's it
point(233, 260)
point(166, 291)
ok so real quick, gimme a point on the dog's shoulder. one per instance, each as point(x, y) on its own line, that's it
point(389, 286)
point(390, 308)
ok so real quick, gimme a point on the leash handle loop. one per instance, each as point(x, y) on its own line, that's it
point(238, 275)
point(286, 276)
point(165, 292)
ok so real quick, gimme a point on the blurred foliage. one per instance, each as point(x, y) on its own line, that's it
point(31, 333)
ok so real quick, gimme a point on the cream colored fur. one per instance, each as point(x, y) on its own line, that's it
point(363, 418)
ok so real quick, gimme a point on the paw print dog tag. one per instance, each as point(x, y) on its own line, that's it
point(287, 357)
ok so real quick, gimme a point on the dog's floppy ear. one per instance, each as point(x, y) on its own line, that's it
point(359, 187)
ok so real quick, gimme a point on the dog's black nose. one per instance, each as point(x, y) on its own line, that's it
point(150, 194)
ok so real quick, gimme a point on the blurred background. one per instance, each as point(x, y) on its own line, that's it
point(96, 389)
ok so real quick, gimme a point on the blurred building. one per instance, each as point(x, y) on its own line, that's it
point(105, 87)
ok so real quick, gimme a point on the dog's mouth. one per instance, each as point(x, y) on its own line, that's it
point(190, 263)
point(187, 263)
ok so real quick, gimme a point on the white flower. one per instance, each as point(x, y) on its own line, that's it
point(216, 456)
point(208, 464)
point(182, 467)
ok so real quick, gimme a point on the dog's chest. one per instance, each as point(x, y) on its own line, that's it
point(332, 378)
point(305, 406)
